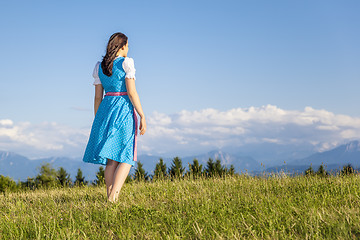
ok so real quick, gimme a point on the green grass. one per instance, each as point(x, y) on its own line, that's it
point(239, 207)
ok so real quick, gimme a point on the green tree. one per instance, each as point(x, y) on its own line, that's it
point(176, 170)
point(80, 179)
point(321, 171)
point(47, 176)
point(100, 177)
point(160, 170)
point(140, 174)
point(309, 171)
point(7, 184)
point(230, 171)
point(219, 169)
point(195, 169)
point(30, 183)
point(347, 170)
point(63, 177)
point(210, 168)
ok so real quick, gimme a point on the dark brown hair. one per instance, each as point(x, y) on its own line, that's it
point(116, 41)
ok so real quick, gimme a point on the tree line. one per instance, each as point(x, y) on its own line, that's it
point(321, 172)
point(48, 177)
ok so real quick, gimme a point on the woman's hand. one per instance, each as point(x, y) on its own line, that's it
point(142, 126)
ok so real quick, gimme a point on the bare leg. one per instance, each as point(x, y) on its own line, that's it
point(120, 175)
point(109, 174)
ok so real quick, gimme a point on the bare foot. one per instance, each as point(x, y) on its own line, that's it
point(113, 197)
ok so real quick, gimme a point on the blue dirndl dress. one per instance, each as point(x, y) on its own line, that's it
point(114, 130)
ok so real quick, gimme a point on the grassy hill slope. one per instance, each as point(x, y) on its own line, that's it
point(238, 207)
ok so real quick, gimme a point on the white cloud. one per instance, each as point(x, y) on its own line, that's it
point(212, 128)
point(159, 119)
point(195, 131)
point(5, 122)
point(44, 139)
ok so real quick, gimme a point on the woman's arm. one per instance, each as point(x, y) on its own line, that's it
point(99, 91)
point(134, 98)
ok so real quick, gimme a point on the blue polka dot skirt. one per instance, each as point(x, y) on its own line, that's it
point(113, 132)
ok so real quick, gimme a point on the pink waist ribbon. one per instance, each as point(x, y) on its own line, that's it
point(135, 119)
point(115, 93)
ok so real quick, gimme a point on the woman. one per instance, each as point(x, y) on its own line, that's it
point(113, 136)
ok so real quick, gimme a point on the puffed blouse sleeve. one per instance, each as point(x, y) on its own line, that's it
point(129, 67)
point(96, 74)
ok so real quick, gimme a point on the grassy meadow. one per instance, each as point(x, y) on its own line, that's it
point(234, 207)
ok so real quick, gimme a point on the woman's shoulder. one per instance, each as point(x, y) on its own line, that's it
point(96, 68)
point(129, 59)
point(128, 63)
point(96, 73)
point(129, 67)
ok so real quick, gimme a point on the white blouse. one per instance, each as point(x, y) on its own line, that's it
point(128, 66)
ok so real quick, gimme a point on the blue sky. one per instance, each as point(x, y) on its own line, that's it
point(189, 56)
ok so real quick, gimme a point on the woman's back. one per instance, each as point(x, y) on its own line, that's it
point(122, 67)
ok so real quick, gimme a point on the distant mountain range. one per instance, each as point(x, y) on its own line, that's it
point(333, 159)
point(19, 167)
